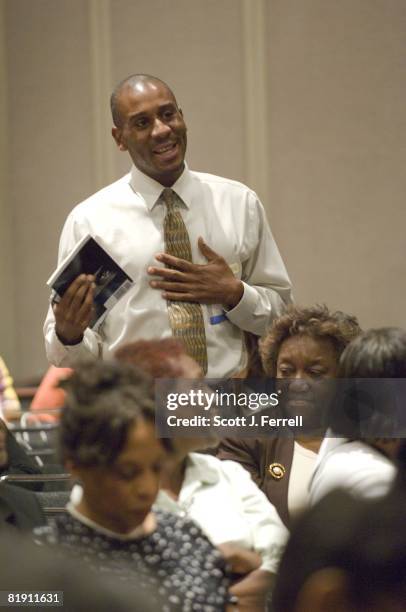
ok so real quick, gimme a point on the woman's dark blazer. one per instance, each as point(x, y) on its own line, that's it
point(259, 456)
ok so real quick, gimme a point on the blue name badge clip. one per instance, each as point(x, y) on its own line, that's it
point(216, 315)
point(216, 319)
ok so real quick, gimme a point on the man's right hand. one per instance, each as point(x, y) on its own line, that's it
point(75, 310)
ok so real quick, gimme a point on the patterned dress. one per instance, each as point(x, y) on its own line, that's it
point(175, 567)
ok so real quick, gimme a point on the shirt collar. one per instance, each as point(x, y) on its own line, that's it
point(147, 526)
point(150, 190)
point(198, 469)
point(328, 444)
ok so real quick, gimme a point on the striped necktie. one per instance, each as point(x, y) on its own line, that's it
point(185, 318)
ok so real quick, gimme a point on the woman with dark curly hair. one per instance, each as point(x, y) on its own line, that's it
point(245, 526)
point(108, 443)
point(303, 345)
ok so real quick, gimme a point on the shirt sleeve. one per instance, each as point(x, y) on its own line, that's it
point(269, 533)
point(57, 353)
point(360, 472)
point(267, 287)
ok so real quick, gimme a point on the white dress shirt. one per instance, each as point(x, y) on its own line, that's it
point(229, 507)
point(127, 219)
point(354, 466)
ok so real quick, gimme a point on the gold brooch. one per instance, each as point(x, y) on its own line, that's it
point(277, 470)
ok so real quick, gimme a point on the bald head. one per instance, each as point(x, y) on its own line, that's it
point(149, 125)
point(133, 82)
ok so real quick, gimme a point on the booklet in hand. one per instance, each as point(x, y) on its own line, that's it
point(89, 257)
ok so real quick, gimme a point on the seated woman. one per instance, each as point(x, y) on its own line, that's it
point(364, 467)
point(219, 496)
point(108, 442)
point(304, 344)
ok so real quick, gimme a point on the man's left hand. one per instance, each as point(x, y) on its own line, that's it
point(184, 281)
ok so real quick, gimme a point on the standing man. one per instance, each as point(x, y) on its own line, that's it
point(198, 247)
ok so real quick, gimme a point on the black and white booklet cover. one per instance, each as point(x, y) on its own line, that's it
point(89, 257)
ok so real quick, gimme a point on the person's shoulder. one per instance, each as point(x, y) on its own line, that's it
point(113, 193)
point(179, 527)
point(203, 461)
point(359, 455)
point(350, 462)
point(233, 470)
point(170, 520)
point(63, 525)
point(356, 467)
point(221, 181)
point(225, 467)
point(253, 446)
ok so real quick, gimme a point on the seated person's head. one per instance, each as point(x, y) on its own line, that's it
point(307, 342)
point(108, 442)
point(303, 346)
point(167, 358)
point(345, 555)
point(376, 353)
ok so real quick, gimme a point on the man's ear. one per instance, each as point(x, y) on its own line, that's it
point(118, 137)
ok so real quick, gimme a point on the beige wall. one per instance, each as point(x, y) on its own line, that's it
point(49, 150)
point(302, 99)
point(337, 133)
point(7, 319)
point(196, 47)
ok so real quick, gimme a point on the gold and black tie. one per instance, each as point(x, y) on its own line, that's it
point(186, 318)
